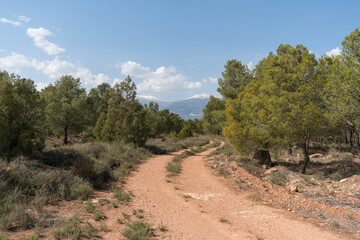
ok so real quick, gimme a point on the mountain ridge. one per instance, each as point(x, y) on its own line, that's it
point(189, 108)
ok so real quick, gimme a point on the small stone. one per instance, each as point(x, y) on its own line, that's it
point(328, 180)
point(294, 188)
point(343, 180)
point(233, 165)
point(270, 171)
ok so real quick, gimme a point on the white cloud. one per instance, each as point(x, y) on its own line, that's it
point(14, 62)
point(52, 68)
point(334, 52)
point(24, 19)
point(161, 80)
point(213, 80)
point(250, 65)
point(149, 98)
point(57, 67)
point(14, 23)
point(210, 79)
point(39, 37)
point(41, 85)
point(199, 96)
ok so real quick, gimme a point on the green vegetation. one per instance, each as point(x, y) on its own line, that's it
point(161, 146)
point(122, 196)
point(214, 116)
point(21, 116)
point(22, 177)
point(224, 220)
point(291, 99)
point(162, 227)
point(174, 167)
point(278, 177)
point(104, 227)
point(73, 229)
point(137, 231)
point(65, 101)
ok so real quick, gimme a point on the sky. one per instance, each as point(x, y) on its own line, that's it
point(173, 50)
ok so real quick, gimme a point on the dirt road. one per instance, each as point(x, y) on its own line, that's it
point(197, 204)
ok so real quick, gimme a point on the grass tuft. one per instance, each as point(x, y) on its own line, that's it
point(137, 231)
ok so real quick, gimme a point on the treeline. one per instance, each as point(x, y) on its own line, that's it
point(64, 108)
point(289, 99)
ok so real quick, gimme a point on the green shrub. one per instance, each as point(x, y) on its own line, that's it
point(23, 177)
point(162, 228)
point(98, 215)
point(225, 149)
point(81, 191)
point(172, 145)
point(3, 236)
point(74, 230)
point(336, 176)
point(122, 196)
point(137, 231)
point(278, 177)
point(173, 168)
point(90, 208)
point(18, 217)
point(35, 235)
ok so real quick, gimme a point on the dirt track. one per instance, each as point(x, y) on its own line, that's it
point(193, 203)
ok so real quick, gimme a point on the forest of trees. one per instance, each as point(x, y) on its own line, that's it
point(290, 99)
point(64, 109)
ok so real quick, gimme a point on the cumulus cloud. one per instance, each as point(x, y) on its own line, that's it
point(14, 63)
point(210, 79)
point(52, 68)
point(334, 52)
point(199, 96)
point(163, 79)
point(39, 36)
point(57, 67)
point(14, 23)
point(24, 19)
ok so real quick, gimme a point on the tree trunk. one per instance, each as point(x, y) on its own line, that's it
point(308, 145)
point(290, 151)
point(306, 160)
point(263, 157)
point(351, 138)
point(66, 136)
point(346, 138)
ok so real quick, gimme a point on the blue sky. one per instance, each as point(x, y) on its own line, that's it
point(172, 49)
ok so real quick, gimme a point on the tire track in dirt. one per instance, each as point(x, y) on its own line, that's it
point(197, 204)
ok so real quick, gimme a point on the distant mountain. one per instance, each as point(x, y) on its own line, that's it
point(190, 108)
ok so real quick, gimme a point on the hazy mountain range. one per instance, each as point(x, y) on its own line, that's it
point(190, 108)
